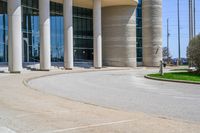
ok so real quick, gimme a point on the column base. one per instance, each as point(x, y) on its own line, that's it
point(45, 70)
point(98, 67)
point(16, 72)
point(68, 68)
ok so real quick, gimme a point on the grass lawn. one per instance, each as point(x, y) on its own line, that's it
point(186, 76)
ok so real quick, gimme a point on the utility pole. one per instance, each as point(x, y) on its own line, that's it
point(168, 40)
point(179, 40)
point(191, 18)
point(194, 4)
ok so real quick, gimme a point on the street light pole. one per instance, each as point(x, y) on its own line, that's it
point(179, 40)
point(168, 40)
point(194, 4)
point(191, 22)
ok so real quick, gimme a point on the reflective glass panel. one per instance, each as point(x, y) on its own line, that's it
point(57, 32)
point(83, 34)
point(139, 31)
point(30, 28)
point(3, 32)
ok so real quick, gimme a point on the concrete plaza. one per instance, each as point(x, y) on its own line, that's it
point(126, 90)
point(114, 101)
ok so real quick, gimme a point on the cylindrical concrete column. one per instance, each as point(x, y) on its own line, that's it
point(45, 51)
point(152, 32)
point(97, 33)
point(119, 36)
point(14, 36)
point(68, 34)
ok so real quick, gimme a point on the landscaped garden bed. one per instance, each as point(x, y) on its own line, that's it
point(177, 76)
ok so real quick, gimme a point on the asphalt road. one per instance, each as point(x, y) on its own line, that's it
point(126, 90)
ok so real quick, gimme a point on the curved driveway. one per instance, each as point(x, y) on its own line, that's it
point(126, 90)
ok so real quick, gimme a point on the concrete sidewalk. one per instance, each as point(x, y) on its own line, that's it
point(24, 110)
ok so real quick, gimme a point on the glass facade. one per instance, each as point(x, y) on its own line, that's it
point(139, 31)
point(30, 29)
point(3, 32)
point(83, 34)
point(57, 32)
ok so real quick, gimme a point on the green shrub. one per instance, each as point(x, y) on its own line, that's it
point(193, 52)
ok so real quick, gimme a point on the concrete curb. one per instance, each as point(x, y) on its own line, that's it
point(169, 80)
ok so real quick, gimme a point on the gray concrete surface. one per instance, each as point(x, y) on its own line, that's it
point(119, 36)
point(6, 130)
point(126, 90)
point(25, 110)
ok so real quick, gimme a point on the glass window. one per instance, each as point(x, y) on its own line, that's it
point(30, 28)
point(83, 34)
point(3, 32)
point(139, 31)
point(57, 32)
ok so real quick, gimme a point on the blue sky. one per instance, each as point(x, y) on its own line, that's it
point(170, 11)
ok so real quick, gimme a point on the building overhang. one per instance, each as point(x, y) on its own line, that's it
point(105, 3)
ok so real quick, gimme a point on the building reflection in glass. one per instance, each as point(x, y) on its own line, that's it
point(83, 32)
point(30, 28)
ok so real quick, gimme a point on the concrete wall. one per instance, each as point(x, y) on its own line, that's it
point(152, 32)
point(119, 36)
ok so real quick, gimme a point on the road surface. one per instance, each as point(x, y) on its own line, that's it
point(126, 90)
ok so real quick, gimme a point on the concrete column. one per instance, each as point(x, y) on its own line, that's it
point(152, 32)
point(68, 34)
point(14, 36)
point(97, 34)
point(119, 36)
point(45, 51)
